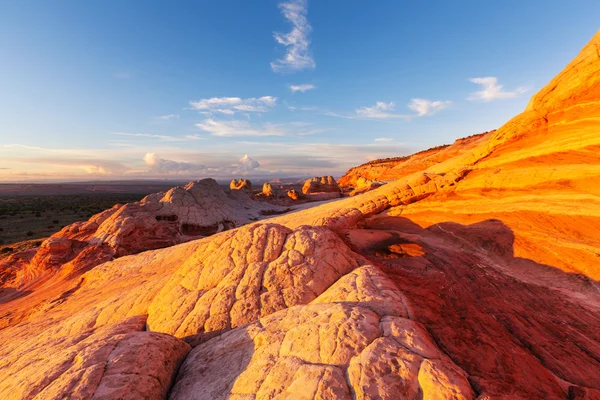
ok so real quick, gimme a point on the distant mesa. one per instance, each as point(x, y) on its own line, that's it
point(242, 184)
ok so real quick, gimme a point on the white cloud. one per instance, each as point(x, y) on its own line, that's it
point(424, 107)
point(386, 111)
point(492, 90)
point(298, 55)
point(160, 137)
point(167, 117)
point(245, 165)
point(302, 88)
point(231, 105)
point(384, 139)
point(381, 110)
point(158, 164)
point(239, 128)
point(245, 128)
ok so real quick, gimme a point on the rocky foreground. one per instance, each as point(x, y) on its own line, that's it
point(474, 277)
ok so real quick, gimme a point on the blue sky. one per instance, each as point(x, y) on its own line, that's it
point(191, 89)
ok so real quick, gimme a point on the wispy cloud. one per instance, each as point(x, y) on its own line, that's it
point(245, 128)
point(424, 107)
point(386, 111)
point(91, 166)
point(491, 90)
point(298, 55)
point(381, 110)
point(160, 137)
point(384, 139)
point(231, 105)
point(302, 88)
point(239, 128)
point(158, 164)
point(167, 117)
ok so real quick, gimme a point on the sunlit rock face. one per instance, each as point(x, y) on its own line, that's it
point(268, 190)
point(242, 184)
point(373, 174)
point(320, 184)
point(475, 277)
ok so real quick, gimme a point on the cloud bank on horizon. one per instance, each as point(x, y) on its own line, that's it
point(306, 89)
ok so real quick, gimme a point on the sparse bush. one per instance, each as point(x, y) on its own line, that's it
point(29, 233)
point(6, 250)
point(55, 221)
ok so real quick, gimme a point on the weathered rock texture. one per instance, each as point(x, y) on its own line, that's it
point(321, 184)
point(475, 277)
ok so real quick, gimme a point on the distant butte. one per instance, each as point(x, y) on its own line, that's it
point(472, 273)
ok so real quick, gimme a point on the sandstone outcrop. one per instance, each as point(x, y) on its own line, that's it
point(159, 220)
point(321, 184)
point(364, 185)
point(475, 277)
point(269, 190)
point(293, 194)
point(357, 179)
point(242, 184)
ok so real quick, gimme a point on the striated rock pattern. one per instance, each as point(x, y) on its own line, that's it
point(358, 179)
point(242, 184)
point(364, 185)
point(475, 277)
point(321, 184)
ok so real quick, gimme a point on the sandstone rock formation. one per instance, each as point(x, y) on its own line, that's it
point(320, 184)
point(269, 190)
point(475, 277)
point(293, 194)
point(242, 184)
point(358, 179)
point(364, 185)
point(183, 213)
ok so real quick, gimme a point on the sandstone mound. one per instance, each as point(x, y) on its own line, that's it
point(475, 277)
point(242, 184)
point(323, 184)
point(198, 209)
